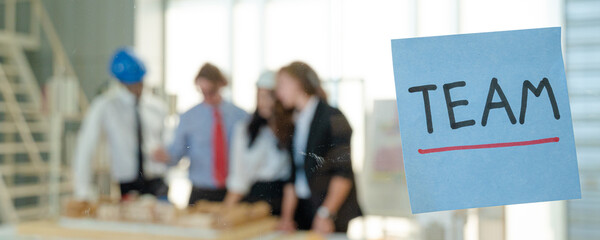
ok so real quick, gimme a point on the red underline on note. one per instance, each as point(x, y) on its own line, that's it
point(490, 145)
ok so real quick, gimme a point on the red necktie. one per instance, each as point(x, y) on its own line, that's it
point(219, 150)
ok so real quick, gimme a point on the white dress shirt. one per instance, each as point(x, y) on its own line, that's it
point(111, 116)
point(262, 162)
point(303, 119)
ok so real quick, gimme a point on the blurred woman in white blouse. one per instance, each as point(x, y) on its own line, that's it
point(260, 162)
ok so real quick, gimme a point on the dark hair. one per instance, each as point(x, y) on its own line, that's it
point(308, 78)
point(282, 126)
point(211, 73)
point(311, 84)
point(256, 123)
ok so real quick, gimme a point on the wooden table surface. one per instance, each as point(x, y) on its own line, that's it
point(54, 230)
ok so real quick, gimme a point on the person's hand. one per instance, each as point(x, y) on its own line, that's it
point(323, 226)
point(161, 155)
point(286, 225)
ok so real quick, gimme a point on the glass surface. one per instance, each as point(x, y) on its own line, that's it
point(55, 55)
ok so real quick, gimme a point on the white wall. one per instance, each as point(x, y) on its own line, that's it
point(148, 40)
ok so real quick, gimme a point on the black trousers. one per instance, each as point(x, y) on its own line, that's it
point(156, 187)
point(305, 214)
point(270, 192)
point(213, 195)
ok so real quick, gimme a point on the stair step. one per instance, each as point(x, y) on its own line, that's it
point(19, 97)
point(29, 114)
point(27, 169)
point(13, 169)
point(12, 134)
point(34, 212)
point(13, 79)
point(16, 84)
point(11, 148)
point(22, 99)
point(10, 127)
point(30, 110)
point(23, 105)
point(37, 189)
point(10, 70)
point(29, 117)
point(19, 88)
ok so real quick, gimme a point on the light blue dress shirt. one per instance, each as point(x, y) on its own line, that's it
point(193, 138)
point(303, 120)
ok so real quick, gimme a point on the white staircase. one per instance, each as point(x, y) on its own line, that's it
point(33, 175)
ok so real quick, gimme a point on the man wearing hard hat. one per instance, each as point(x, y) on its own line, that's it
point(132, 122)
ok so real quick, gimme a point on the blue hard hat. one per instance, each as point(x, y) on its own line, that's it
point(127, 67)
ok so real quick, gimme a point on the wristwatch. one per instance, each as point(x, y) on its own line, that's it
point(323, 212)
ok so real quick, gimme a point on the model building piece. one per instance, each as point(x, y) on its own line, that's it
point(165, 213)
point(138, 210)
point(204, 206)
point(79, 209)
point(259, 210)
point(195, 220)
point(241, 213)
point(232, 216)
point(147, 209)
point(109, 212)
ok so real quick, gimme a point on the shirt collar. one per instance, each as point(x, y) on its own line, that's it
point(219, 106)
point(128, 97)
point(309, 110)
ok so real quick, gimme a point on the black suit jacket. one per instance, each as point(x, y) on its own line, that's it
point(328, 155)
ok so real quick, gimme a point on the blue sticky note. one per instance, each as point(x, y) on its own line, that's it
point(485, 119)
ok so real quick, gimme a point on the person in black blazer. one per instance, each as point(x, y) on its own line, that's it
point(322, 176)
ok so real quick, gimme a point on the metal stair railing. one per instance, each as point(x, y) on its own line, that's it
point(7, 210)
point(15, 44)
point(39, 22)
point(19, 120)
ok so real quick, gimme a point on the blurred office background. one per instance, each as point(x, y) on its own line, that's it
point(59, 64)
